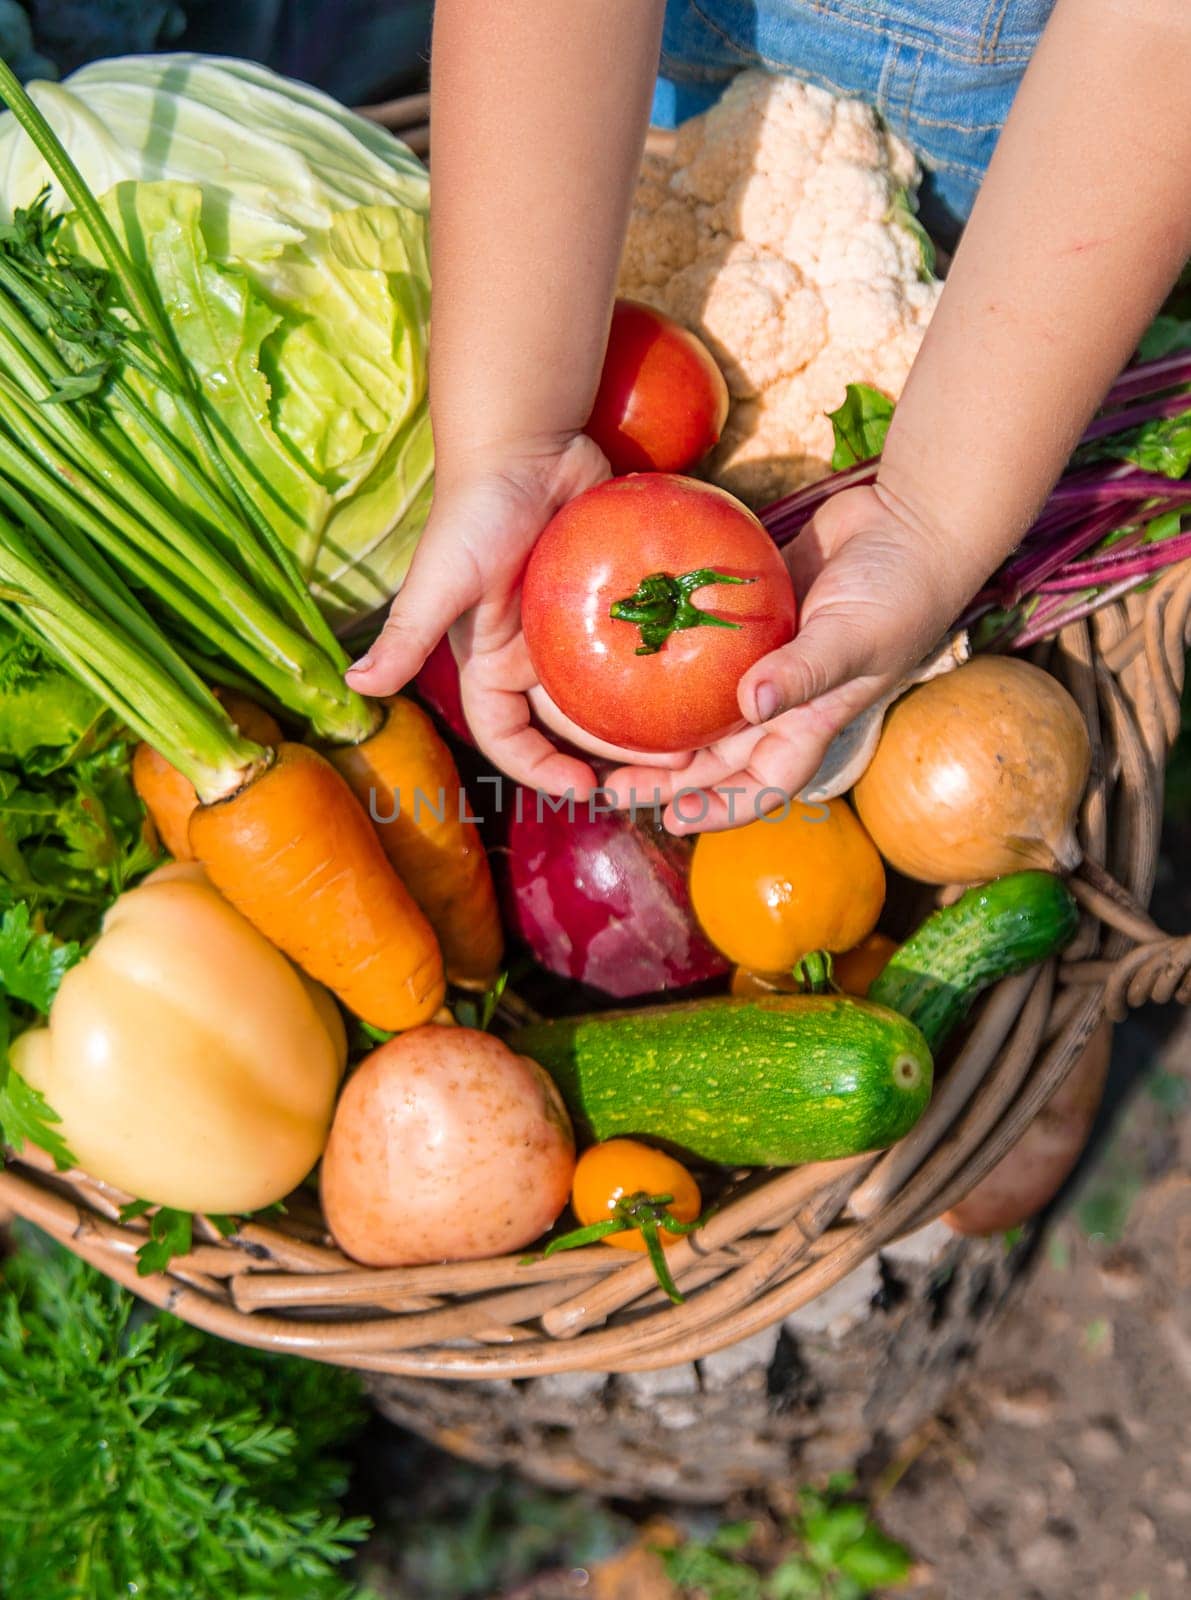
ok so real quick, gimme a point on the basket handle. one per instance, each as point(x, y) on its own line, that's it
point(1158, 968)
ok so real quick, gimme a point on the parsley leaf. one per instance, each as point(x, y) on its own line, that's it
point(32, 965)
point(141, 1456)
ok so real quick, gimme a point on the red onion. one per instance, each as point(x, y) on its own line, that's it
point(603, 900)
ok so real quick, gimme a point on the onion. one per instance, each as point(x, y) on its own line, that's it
point(977, 774)
point(604, 900)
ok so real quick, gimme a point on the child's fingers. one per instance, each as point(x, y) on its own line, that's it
point(833, 648)
point(437, 592)
point(557, 721)
point(780, 764)
point(500, 722)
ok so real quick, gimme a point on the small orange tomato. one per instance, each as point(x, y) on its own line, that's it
point(615, 1171)
point(806, 878)
point(857, 968)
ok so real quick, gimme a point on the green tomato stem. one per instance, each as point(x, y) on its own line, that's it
point(644, 1213)
point(815, 973)
point(661, 605)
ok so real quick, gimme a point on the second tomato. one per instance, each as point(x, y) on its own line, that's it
point(662, 401)
point(645, 601)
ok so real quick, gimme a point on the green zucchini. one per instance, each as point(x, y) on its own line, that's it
point(770, 1082)
point(991, 932)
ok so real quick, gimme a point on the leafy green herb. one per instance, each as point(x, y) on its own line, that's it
point(32, 965)
point(840, 1554)
point(72, 837)
point(471, 1011)
point(711, 1567)
point(171, 1233)
point(904, 212)
point(1165, 336)
point(72, 833)
point(860, 425)
point(138, 1456)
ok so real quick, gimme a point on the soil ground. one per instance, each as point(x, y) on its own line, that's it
point(1060, 1470)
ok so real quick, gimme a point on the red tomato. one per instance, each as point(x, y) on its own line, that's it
point(662, 401)
point(607, 673)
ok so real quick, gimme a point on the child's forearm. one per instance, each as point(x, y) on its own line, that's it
point(538, 115)
point(1080, 229)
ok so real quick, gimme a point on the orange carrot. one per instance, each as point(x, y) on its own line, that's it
point(404, 773)
point(294, 852)
point(168, 797)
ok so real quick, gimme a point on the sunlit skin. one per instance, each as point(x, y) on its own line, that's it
point(1081, 226)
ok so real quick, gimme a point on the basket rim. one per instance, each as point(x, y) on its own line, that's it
point(781, 1237)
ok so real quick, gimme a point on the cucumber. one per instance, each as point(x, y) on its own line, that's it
point(990, 933)
point(766, 1082)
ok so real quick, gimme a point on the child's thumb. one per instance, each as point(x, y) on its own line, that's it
point(433, 597)
point(831, 649)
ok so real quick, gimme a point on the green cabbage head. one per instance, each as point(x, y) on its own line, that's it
point(287, 239)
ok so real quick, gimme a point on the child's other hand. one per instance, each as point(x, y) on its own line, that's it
point(466, 577)
point(876, 590)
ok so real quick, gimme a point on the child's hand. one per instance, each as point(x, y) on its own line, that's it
point(466, 577)
point(876, 591)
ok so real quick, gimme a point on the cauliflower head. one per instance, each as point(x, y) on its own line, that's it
point(779, 227)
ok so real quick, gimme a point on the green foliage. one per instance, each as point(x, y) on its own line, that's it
point(171, 1233)
point(72, 833)
point(462, 1532)
point(71, 838)
point(713, 1568)
point(860, 425)
point(1165, 336)
point(904, 212)
point(32, 963)
point(839, 1554)
point(1161, 445)
point(138, 1456)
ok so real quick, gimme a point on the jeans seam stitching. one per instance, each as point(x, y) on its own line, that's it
point(845, 13)
point(941, 164)
point(996, 32)
point(885, 31)
point(957, 127)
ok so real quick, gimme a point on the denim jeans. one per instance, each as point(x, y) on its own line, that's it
point(941, 73)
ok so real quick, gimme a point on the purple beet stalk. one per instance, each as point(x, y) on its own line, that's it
point(1085, 507)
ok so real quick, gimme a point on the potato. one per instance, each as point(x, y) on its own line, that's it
point(445, 1147)
point(1034, 1171)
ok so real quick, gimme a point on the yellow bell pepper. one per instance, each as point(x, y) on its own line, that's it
point(190, 1063)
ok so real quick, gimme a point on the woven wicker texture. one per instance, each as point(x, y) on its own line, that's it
point(777, 1239)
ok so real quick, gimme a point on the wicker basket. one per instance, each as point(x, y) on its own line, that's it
point(777, 1240)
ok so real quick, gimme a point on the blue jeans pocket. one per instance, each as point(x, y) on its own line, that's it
point(941, 73)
